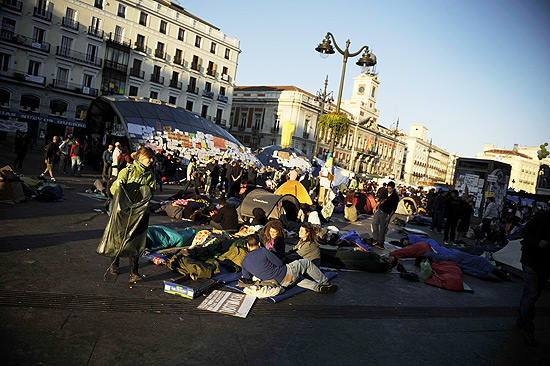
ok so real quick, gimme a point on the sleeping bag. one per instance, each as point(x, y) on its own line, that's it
point(472, 265)
point(412, 251)
point(446, 275)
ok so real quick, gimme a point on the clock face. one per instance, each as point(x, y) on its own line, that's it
point(361, 89)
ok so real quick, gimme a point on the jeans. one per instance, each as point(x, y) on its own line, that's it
point(437, 220)
point(106, 174)
point(64, 163)
point(450, 224)
point(534, 283)
point(295, 271)
point(379, 226)
point(75, 167)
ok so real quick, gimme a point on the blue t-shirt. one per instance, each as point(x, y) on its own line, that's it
point(264, 265)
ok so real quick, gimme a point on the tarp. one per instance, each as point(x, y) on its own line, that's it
point(296, 189)
point(274, 206)
point(353, 259)
point(277, 157)
point(126, 231)
point(510, 254)
point(361, 201)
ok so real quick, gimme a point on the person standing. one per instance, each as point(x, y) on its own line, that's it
point(116, 154)
point(51, 157)
point(535, 260)
point(251, 176)
point(452, 213)
point(213, 177)
point(65, 149)
point(235, 181)
point(21, 146)
point(489, 214)
point(77, 151)
point(226, 177)
point(384, 212)
point(191, 175)
point(107, 162)
point(466, 211)
point(438, 212)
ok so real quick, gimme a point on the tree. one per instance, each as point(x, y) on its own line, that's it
point(543, 152)
point(336, 125)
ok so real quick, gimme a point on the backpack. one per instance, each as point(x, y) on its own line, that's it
point(122, 161)
point(77, 150)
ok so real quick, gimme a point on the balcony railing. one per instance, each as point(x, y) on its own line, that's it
point(178, 61)
point(115, 66)
point(220, 121)
point(21, 76)
point(225, 77)
point(223, 98)
point(78, 56)
point(211, 72)
point(70, 23)
point(241, 127)
point(157, 79)
point(208, 94)
point(141, 47)
point(96, 32)
point(137, 73)
point(195, 66)
point(176, 84)
point(255, 127)
point(118, 39)
point(160, 54)
point(23, 40)
point(274, 129)
point(43, 14)
point(11, 5)
point(192, 89)
point(305, 135)
point(64, 85)
point(107, 90)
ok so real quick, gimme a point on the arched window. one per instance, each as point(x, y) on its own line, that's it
point(58, 108)
point(81, 111)
point(4, 98)
point(30, 103)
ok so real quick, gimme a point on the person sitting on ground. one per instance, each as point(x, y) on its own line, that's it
point(350, 212)
point(273, 237)
point(307, 247)
point(264, 265)
point(227, 218)
point(259, 217)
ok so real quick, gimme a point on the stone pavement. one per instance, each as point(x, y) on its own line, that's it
point(57, 309)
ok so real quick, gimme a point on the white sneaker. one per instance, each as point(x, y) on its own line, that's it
point(53, 179)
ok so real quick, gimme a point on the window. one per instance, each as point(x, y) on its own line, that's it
point(197, 41)
point(4, 61)
point(189, 105)
point(62, 77)
point(30, 102)
point(96, 25)
point(372, 93)
point(243, 119)
point(134, 91)
point(222, 90)
point(121, 11)
point(225, 72)
point(81, 111)
point(159, 52)
point(143, 18)
point(39, 35)
point(91, 54)
point(178, 57)
point(192, 83)
point(204, 112)
point(181, 33)
point(87, 81)
point(98, 4)
point(163, 26)
point(172, 100)
point(8, 25)
point(58, 108)
point(5, 98)
point(34, 68)
point(66, 45)
point(154, 95)
point(211, 68)
point(119, 31)
point(156, 72)
point(70, 14)
point(257, 121)
point(208, 86)
point(195, 65)
point(140, 43)
point(213, 48)
point(227, 53)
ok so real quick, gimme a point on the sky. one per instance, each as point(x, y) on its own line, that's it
point(471, 71)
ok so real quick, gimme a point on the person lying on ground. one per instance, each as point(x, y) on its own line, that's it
point(272, 237)
point(307, 247)
point(227, 218)
point(264, 265)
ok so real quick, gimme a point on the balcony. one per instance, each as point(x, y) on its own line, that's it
point(21, 76)
point(70, 23)
point(160, 54)
point(274, 129)
point(11, 5)
point(223, 98)
point(242, 127)
point(64, 85)
point(157, 79)
point(256, 127)
point(220, 121)
point(96, 32)
point(78, 56)
point(23, 40)
point(119, 40)
point(195, 66)
point(137, 73)
point(210, 72)
point(176, 84)
point(141, 47)
point(208, 94)
point(178, 61)
point(225, 77)
point(305, 135)
point(43, 14)
point(192, 89)
point(115, 66)
point(107, 90)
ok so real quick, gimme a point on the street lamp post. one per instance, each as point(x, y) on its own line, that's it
point(323, 97)
point(428, 161)
point(395, 133)
point(367, 60)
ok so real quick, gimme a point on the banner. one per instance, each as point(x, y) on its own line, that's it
point(12, 126)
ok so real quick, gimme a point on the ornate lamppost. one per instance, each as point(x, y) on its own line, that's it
point(322, 97)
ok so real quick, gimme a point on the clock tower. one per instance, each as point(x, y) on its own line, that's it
point(363, 98)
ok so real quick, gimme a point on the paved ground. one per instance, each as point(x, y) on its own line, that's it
point(56, 308)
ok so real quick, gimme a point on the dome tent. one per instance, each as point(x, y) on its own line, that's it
point(135, 121)
point(275, 207)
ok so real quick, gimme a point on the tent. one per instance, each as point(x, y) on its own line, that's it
point(364, 203)
point(274, 205)
point(406, 207)
point(295, 188)
point(277, 157)
point(510, 254)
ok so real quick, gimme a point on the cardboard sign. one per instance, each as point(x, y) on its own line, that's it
point(229, 303)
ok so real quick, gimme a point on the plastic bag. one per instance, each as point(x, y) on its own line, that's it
point(126, 231)
point(425, 270)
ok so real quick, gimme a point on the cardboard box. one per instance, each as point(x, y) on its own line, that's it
point(188, 288)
